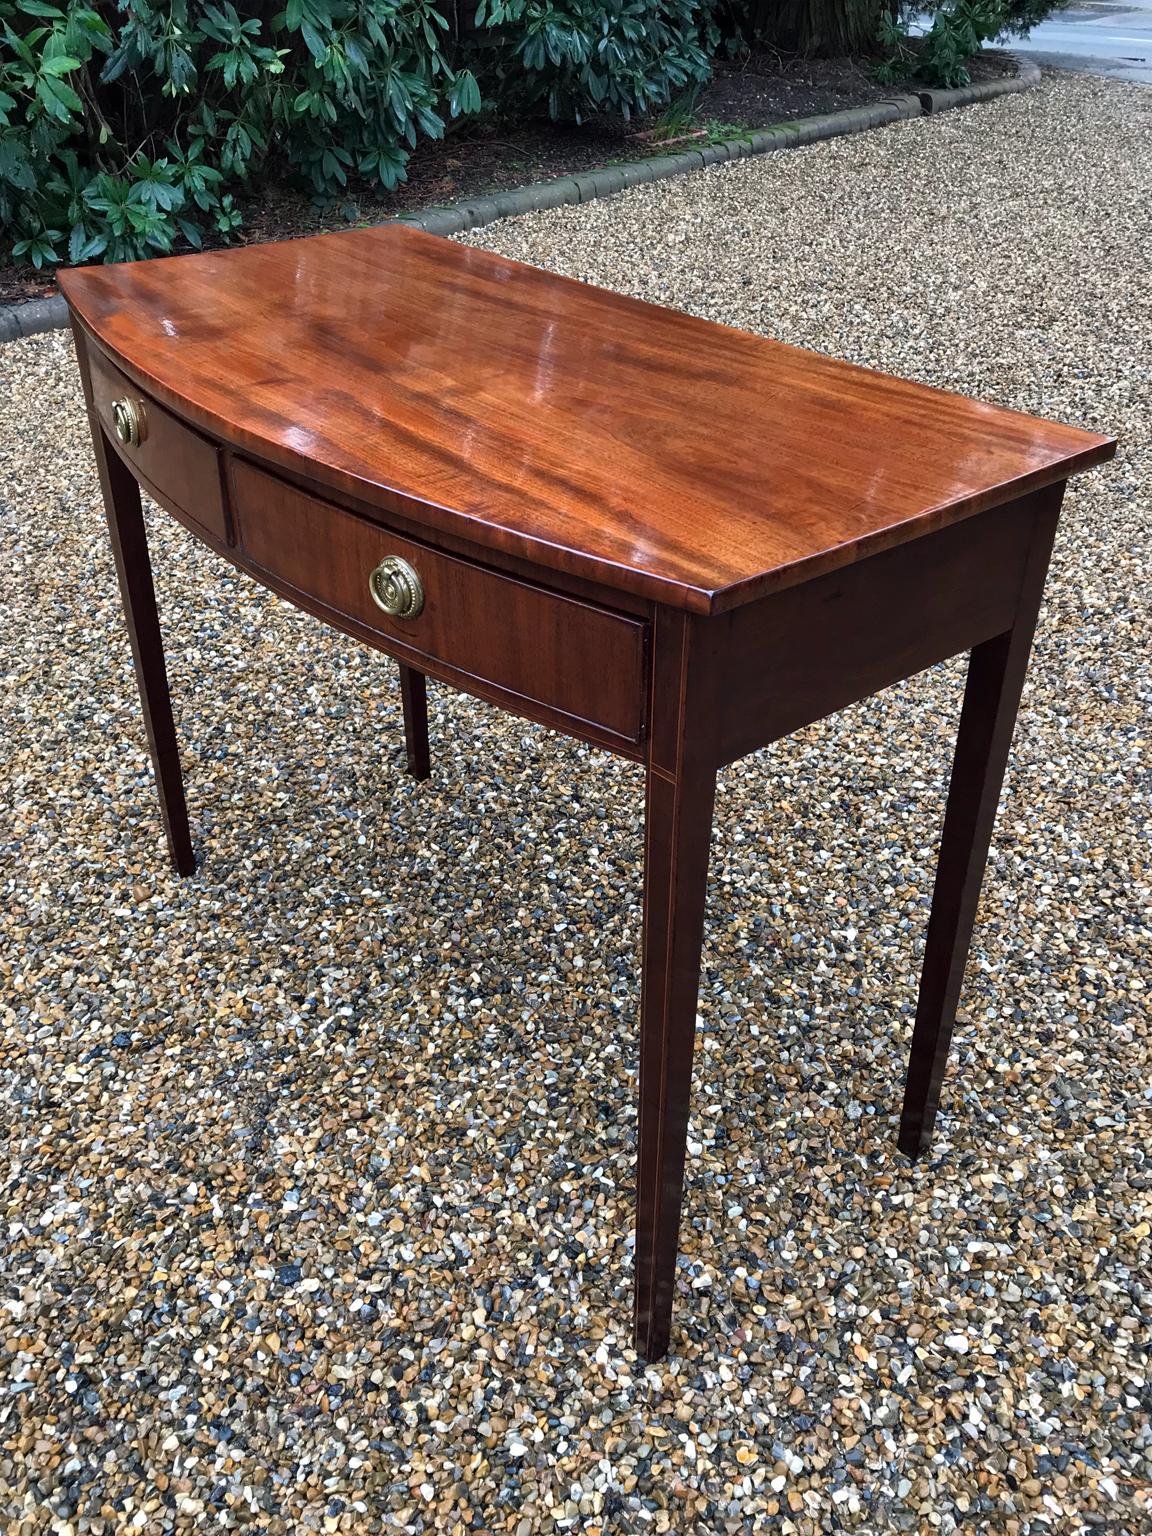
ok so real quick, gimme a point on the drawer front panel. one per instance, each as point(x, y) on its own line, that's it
point(548, 649)
point(180, 465)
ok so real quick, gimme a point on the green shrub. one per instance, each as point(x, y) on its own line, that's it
point(574, 58)
point(127, 126)
point(960, 28)
point(123, 126)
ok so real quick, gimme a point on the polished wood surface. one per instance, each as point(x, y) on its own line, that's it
point(583, 663)
point(178, 465)
point(138, 595)
point(658, 535)
point(681, 788)
point(587, 432)
point(851, 632)
point(414, 694)
point(996, 673)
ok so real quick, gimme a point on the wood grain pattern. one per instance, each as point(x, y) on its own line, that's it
point(583, 663)
point(681, 788)
point(414, 698)
point(588, 432)
point(176, 463)
point(996, 673)
point(129, 540)
point(803, 653)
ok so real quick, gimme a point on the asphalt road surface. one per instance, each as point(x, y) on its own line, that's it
point(1100, 37)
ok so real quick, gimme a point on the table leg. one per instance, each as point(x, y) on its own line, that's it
point(996, 673)
point(680, 795)
point(414, 693)
point(133, 568)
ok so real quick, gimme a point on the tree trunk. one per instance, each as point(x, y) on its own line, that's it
point(828, 27)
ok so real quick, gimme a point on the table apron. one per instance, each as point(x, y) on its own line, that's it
point(804, 653)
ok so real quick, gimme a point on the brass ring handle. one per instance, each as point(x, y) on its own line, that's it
point(396, 587)
point(128, 420)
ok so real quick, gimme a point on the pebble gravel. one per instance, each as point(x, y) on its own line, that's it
point(315, 1192)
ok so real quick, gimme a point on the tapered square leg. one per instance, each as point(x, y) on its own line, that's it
point(681, 790)
point(996, 673)
point(133, 568)
point(414, 693)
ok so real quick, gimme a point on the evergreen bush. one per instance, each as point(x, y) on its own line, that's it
point(128, 126)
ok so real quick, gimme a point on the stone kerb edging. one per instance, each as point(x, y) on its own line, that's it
point(51, 314)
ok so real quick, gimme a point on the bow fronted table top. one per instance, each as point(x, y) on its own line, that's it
point(581, 429)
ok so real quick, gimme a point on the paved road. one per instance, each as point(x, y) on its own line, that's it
point(1100, 37)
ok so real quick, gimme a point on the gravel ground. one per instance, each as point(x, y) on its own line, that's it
point(317, 1185)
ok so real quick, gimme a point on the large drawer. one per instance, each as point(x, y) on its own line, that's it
point(182, 467)
point(566, 656)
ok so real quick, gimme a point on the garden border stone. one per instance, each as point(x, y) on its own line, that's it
point(51, 314)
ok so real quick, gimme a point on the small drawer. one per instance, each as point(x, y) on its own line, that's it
point(569, 658)
point(177, 464)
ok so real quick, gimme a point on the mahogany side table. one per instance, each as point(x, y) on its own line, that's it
point(670, 539)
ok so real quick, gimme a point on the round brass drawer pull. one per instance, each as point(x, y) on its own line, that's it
point(396, 587)
point(128, 419)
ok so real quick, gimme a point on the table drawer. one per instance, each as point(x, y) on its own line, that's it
point(182, 467)
point(566, 656)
